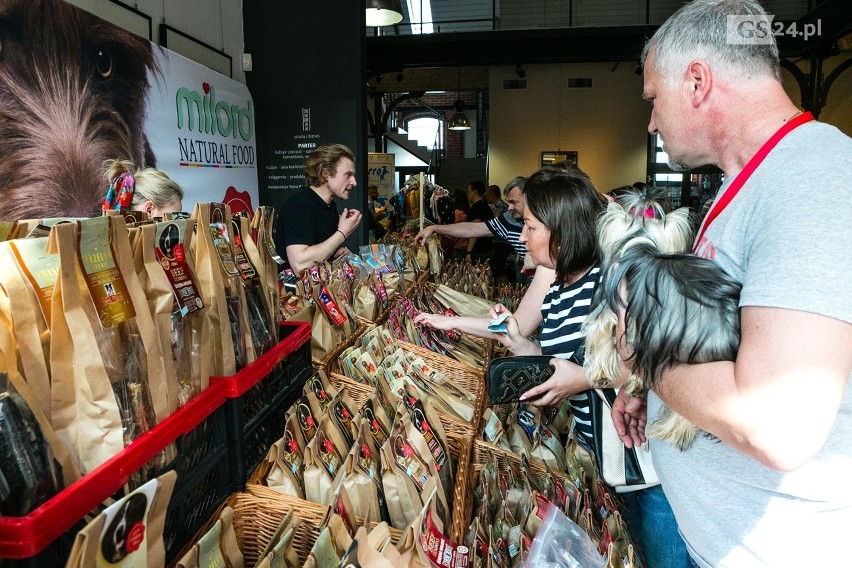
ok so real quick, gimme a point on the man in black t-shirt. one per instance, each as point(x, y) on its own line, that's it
point(311, 229)
point(479, 249)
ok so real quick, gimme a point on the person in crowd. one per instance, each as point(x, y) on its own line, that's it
point(376, 213)
point(770, 485)
point(479, 249)
point(461, 212)
point(154, 191)
point(506, 227)
point(312, 229)
point(495, 200)
point(562, 209)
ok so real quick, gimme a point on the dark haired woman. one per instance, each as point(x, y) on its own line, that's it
point(559, 232)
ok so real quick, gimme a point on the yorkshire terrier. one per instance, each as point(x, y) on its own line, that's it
point(677, 308)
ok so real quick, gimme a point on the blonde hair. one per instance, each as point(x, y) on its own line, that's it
point(151, 184)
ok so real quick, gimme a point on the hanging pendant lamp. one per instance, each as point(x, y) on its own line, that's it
point(383, 12)
point(459, 121)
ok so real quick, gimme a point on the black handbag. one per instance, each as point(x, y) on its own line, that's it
point(510, 377)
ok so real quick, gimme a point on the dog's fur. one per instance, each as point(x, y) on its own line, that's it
point(72, 95)
point(678, 308)
point(638, 213)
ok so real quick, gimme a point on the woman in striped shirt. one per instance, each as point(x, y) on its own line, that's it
point(559, 232)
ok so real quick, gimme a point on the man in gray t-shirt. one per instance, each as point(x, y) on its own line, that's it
point(774, 488)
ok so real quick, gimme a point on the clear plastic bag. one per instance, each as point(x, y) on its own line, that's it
point(561, 543)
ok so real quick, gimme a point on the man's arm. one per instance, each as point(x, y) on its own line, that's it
point(778, 401)
point(301, 257)
point(464, 230)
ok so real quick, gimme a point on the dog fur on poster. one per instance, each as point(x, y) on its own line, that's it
point(73, 94)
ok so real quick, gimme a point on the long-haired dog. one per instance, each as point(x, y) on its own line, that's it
point(72, 94)
point(677, 308)
point(639, 212)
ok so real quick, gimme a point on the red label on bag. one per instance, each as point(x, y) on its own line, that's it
point(440, 550)
point(330, 306)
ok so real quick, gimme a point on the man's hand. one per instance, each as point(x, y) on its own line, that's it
point(629, 415)
point(421, 237)
point(348, 221)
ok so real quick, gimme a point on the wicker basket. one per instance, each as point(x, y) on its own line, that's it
point(460, 448)
point(331, 356)
point(484, 453)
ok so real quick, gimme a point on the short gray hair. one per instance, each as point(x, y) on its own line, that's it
point(699, 30)
point(516, 182)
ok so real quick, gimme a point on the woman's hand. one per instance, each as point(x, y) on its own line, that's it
point(629, 415)
point(567, 380)
point(517, 343)
point(436, 321)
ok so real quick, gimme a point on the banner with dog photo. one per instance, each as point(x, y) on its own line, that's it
point(76, 91)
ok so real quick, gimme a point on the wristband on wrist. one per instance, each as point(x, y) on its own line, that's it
point(342, 233)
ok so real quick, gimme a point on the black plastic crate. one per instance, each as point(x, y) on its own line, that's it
point(250, 437)
point(283, 376)
point(202, 483)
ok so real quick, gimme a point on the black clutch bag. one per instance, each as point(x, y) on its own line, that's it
point(510, 377)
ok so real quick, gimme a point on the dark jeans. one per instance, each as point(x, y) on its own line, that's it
point(652, 522)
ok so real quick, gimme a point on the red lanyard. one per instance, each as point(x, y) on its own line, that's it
point(746, 172)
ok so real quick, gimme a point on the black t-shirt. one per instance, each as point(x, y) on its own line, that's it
point(480, 211)
point(305, 219)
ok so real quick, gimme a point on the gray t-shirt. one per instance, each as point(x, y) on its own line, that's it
point(787, 236)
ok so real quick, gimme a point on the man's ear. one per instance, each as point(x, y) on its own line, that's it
point(700, 81)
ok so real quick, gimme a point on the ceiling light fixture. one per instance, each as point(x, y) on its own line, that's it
point(383, 13)
point(459, 121)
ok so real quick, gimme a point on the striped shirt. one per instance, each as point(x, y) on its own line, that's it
point(507, 228)
point(563, 311)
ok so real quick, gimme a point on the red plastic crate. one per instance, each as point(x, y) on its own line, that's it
point(24, 537)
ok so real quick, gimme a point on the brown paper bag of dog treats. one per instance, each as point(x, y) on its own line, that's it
point(380, 425)
point(141, 341)
point(324, 456)
point(363, 554)
point(28, 275)
point(425, 544)
point(521, 426)
point(366, 304)
point(406, 476)
point(84, 408)
point(362, 476)
point(261, 229)
point(307, 413)
point(262, 333)
point(280, 553)
point(428, 425)
point(268, 282)
point(217, 275)
point(287, 455)
point(44, 466)
point(331, 545)
point(174, 297)
point(342, 412)
point(129, 532)
point(218, 546)
point(318, 385)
